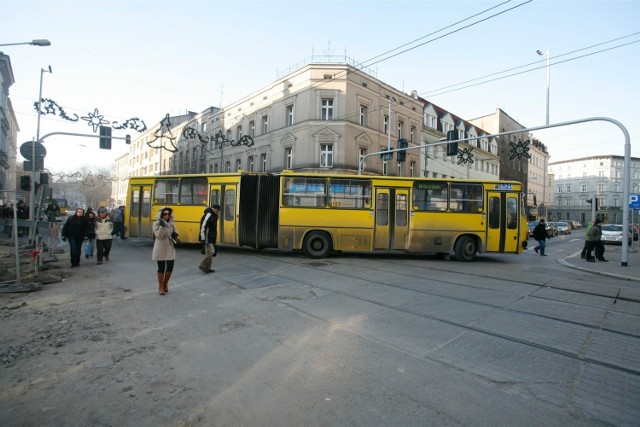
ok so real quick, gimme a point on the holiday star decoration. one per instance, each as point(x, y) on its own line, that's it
point(95, 120)
point(465, 156)
point(519, 150)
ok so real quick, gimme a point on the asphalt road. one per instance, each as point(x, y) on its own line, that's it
point(274, 338)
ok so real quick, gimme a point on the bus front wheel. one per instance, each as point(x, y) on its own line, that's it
point(317, 244)
point(466, 248)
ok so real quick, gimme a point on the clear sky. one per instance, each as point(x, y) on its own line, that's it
point(145, 59)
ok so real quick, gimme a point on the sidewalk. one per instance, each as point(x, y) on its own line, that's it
point(613, 268)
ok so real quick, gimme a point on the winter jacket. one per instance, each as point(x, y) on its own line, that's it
point(595, 234)
point(163, 248)
point(104, 228)
point(75, 228)
point(208, 226)
point(91, 225)
point(540, 232)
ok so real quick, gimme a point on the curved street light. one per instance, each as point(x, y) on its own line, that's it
point(36, 42)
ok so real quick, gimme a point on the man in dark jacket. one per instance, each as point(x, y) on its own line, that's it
point(208, 236)
point(595, 242)
point(540, 235)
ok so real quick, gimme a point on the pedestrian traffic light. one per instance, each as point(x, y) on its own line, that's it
point(402, 155)
point(452, 147)
point(25, 183)
point(105, 137)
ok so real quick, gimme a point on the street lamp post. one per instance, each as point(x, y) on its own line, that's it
point(544, 184)
point(32, 193)
point(36, 42)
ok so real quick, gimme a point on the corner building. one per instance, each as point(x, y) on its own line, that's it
point(322, 116)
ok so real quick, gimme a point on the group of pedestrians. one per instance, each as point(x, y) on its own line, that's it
point(94, 232)
point(592, 243)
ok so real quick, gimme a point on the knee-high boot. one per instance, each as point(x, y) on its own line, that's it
point(161, 283)
point(165, 283)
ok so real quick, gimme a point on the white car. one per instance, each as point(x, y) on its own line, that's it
point(612, 233)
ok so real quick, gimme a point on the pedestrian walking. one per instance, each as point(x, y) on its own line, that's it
point(164, 251)
point(104, 228)
point(53, 211)
point(90, 239)
point(75, 230)
point(585, 248)
point(595, 243)
point(208, 236)
point(118, 222)
point(540, 235)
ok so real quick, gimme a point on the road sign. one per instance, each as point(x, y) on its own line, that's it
point(28, 165)
point(27, 150)
point(634, 201)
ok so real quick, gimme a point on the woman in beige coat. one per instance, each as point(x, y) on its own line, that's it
point(164, 251)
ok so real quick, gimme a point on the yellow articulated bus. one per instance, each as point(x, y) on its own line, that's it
point(323, 213)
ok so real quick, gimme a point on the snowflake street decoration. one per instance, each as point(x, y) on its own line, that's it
point(166, 142)
point(49, 106)
point(465, 156)
point(95, 120)
point(519, 150)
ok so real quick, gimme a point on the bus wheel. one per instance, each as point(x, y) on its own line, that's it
point(317, 244)
point(466, 248)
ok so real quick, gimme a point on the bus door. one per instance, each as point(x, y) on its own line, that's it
point(140, 221)
point(391, 218)
point(225, 196)
point(502, 223)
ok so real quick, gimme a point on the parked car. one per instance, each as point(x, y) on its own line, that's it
point(613, 234)
point(554, 229)
point(563, 227)
point(576, 224)
point(532, 225)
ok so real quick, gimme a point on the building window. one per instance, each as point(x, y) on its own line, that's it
point(363, 115)
point(265, 124)
point(583, 189)
point(568, 189)
point(252, 128)
point(250, 161)
point(384, 167)
point(430, 121)
point(263, 161)
point(400, 126)
point(327, 109)
point(412, 135)
point(227, 167)
point(386, 125)
point(412, 169)
point(289, 114)
point(326, 155)
point(361, 153)
point(399, 172)
point(559, 188)
point(238, 165)
point(288, 157)
point(238, 133)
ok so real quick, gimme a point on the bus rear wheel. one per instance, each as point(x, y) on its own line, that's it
point(317, 244)
point(466, 248)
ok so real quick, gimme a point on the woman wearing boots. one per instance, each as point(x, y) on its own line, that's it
point(164, 251)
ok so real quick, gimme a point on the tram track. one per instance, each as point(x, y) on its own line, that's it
point(324, 266)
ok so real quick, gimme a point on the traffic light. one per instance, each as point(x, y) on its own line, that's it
point(105, 137)
point(452, 147)
point(590, 201)
point(25, 183)
point(127, 139)
point(402, 155)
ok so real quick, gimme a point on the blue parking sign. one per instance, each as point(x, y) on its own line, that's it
point(634, 201)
